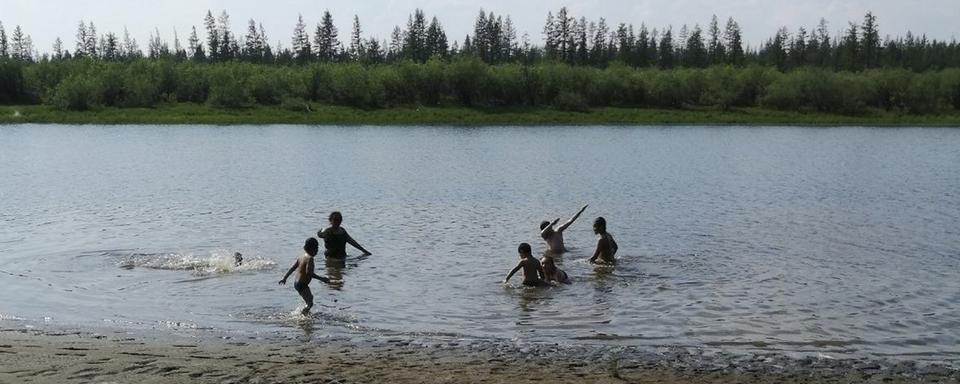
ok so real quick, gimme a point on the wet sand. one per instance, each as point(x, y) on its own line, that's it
point(35, 356)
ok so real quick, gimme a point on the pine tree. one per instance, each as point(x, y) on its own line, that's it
point(4, 47)
point(849, 50)
point(870, 42)
point(57, 49)
point(195, 46)
point(734, 43)
point(356, 50)
point(130, 46)
point(642, 56)
point(550, 37)
point(396, 44)
point(436, 41)
point(715, 47)
point(696, 52)
point(415, 38)
point(325, 38)
point(91, 43)
point(213, 36)
point(228, 47)
point(252, 46)
point(581, 42)
point(666, 49)
point(510, 45)
point(598, 54)
point(798, 48)
point(823, 43)
point(300, 41)
point(564, 32)
point(111, 47)
point(20, 45)
point(81, 49)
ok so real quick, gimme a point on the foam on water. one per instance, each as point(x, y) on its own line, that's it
point(216, 262)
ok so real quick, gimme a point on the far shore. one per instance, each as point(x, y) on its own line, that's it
point(187, 113)
point(123, 356)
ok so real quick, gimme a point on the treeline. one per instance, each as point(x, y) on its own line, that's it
point(495, 40)
point(82, 84)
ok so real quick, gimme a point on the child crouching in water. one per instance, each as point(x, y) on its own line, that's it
point(533, 275)
point(304, 267)
point(551, 271)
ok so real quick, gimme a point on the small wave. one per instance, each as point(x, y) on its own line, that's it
point(214, 263)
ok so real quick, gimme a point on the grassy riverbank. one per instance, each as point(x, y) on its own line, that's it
point(188, 113)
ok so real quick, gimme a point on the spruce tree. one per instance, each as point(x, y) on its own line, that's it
point(356, 50)
point(734, 42)
point(870, 42)
point(227, 45)
point(666, 49)
point(4, 47)
point(325, 38)
point(213, 36)
point(715, 47)
point(195, 46)
point(696, 52)
point(300, 41)
point(81, 49)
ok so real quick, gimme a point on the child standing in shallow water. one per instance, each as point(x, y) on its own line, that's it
point(305, 273)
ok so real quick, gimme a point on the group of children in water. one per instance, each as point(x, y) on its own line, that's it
point(535, 272)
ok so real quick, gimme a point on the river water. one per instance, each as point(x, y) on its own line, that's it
point(837, 241)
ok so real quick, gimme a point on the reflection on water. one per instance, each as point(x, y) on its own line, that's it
point(838, 241)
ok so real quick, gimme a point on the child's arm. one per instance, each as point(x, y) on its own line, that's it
point(517, 268)
point(356, 245)
point(613, 246)
point(596, 253)
point(293, 268)
point(574, 218)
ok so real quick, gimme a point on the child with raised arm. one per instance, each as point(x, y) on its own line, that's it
point(305, 273)
point(532, 270)
point(606, 246)
point(554, 236)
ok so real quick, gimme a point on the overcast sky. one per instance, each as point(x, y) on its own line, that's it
point(45, 20)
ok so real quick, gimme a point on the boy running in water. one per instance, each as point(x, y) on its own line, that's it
point(305, 273)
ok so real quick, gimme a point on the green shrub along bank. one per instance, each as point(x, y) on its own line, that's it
point(81, 85)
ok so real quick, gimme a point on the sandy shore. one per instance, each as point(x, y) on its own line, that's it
point(35, 356)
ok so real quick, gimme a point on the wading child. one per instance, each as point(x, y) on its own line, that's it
point(551, 271)
point(304, 267)
point(532, 270)
point(606, 246)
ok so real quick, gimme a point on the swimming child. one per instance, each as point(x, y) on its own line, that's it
point(551, 271)
point(305, 273)
point(237, 259)
point(554, 237)
point(335, 239)
point(606, 246)
point(532, 270)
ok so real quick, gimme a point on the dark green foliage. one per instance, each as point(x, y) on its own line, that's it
point(571, 101)
point(11, 81)
point(76, 93)
point(467, 81)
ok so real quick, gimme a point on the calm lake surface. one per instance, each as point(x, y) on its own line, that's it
point(841, 241)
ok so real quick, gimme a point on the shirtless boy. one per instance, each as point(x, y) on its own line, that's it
point(532, 270)
point(606, 246)
point(305, 273)
point(554, 237)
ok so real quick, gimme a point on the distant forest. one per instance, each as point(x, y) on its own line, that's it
point(581, 64)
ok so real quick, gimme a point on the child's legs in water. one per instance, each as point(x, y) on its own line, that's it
point(304, 291)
